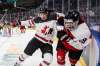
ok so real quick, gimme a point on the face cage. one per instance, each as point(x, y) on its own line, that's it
point(70, 25)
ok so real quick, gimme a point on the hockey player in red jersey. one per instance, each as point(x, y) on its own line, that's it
point(42, 40)
point(72, 38)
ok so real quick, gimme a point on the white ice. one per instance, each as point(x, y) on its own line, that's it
point(12, 47)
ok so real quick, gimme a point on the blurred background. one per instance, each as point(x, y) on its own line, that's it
point(21, 10)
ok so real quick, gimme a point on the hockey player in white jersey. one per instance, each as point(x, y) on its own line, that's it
point(42, 40)
point(73, 38)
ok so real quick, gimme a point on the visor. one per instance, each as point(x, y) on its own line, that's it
point(68, 20)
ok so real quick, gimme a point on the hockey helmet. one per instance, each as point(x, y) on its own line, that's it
point(43, 13)
point(71, 20)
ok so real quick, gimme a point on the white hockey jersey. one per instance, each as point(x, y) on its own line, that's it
point(46, 31)
point(81, 35)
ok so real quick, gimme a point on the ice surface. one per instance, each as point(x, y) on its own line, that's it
point(12, 47)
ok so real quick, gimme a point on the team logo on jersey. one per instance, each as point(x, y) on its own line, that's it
point(46, 30)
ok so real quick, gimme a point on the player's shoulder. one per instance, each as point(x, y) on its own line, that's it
point(82, 25)
point(52, 21)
